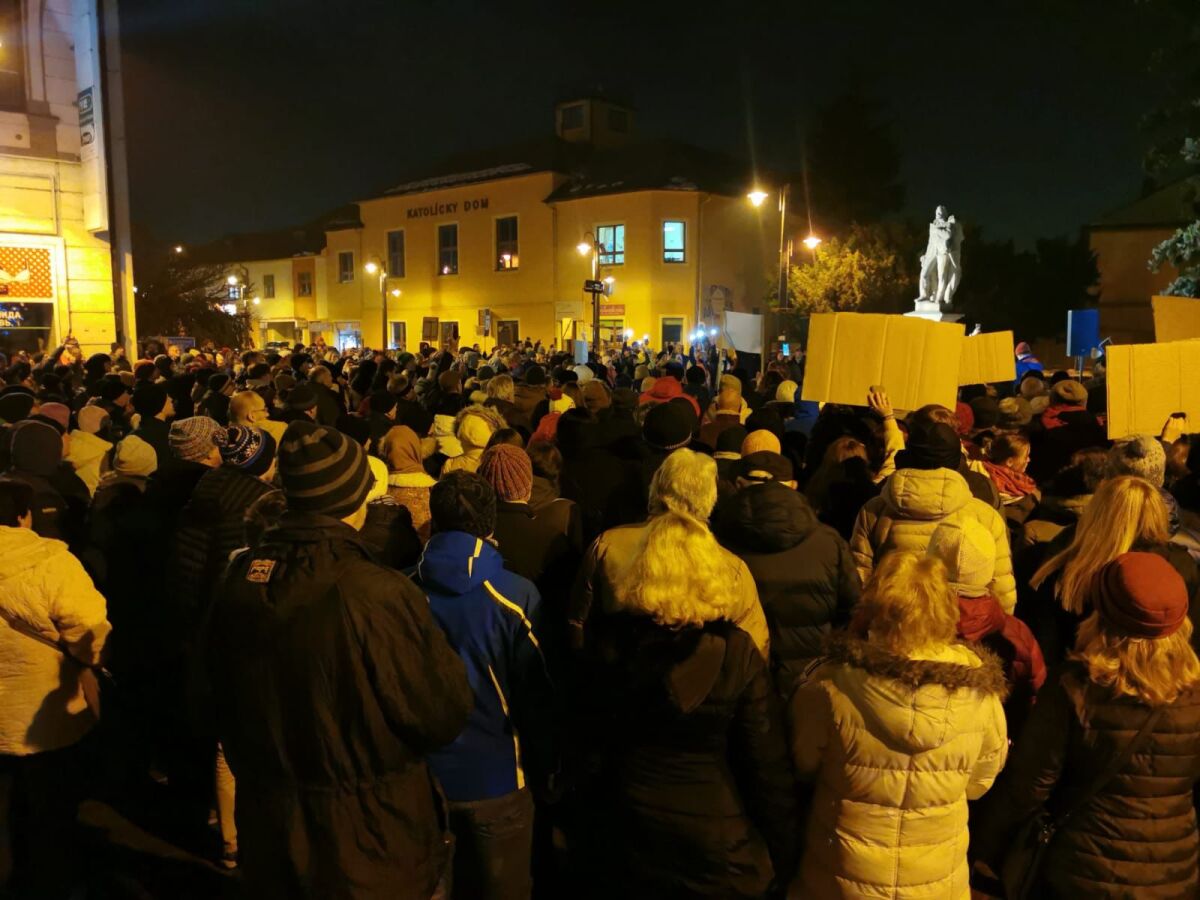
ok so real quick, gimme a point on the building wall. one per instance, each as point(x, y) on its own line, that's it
point(1126, 283)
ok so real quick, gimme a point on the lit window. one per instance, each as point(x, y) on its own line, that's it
point(506, 243)
point(346, 266)
point(674, 245)
point(304, 284)
point(395, 252)
point(572, 117)
point(448, 249)
point(269, 286)
point(611, 239)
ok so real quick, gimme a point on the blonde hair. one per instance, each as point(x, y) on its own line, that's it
point(679, 574)
point(1124, 512)
point(501, 387)
point(1154, 670)
point(909, 604)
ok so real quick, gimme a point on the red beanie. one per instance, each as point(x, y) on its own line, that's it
point(1140, 595)
point(509, 471)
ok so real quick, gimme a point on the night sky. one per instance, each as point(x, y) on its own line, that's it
point(1023, 118)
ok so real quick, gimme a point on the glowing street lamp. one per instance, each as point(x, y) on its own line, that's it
point(756, 197)
point(231, 280)
point(371, 268)
point(375, 267)
point(178, 249)
point(610, 281)
point(395, 292)
point(584, 248)
point(811, 242)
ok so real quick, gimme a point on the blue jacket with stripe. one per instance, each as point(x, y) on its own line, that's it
point(490, 617)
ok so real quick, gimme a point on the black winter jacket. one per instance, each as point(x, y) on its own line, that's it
point(1137, 837)
point(692, 792)
point(805, 573)
point(332, 681)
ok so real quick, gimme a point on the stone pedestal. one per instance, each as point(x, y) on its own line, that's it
point(929, 309)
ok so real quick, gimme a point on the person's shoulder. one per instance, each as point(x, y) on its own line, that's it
point(514, 592)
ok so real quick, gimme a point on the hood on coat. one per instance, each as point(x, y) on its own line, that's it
point(926, 493)
point(768, 517)
point(978, 617)
point(443, 435)
point(455, 562)
point(886, 688)
point(86, 448)
point(22, 549)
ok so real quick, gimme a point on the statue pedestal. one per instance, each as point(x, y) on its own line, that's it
point(929, 309)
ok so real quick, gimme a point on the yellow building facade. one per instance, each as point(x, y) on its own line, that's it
point(487, 250)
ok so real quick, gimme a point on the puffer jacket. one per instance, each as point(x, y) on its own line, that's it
point(689, 793)
point(896, 747)
point(804, 572)
point(45, 591)
point(914, 502)
point(1137, 837)
point(88, 457)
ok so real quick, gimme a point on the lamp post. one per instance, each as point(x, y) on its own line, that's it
point(589, 244)
point(239, 288)
point(374, 266)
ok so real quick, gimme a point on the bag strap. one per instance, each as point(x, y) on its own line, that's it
point(1114, 766)
point(59, 645)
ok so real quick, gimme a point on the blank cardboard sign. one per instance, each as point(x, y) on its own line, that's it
point(1176, 318)
point(988, 358)
point(1149, 382)
point(914, 359)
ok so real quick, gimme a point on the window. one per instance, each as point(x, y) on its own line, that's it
point(449, 333)
point(572, 117)
point(12, 60)
point(304, 282)
point(269, 286)
point(346, 266)
point(395, 253)
point(611, 239)
point(235, 292)
point(618, 120)
point(448, 249)
point(399, 329)
point(674, 244)
point(508, 332)
point(672, 330)
point(612, 330)
point(506, 243)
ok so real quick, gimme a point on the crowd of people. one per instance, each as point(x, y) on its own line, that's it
point(498, 625)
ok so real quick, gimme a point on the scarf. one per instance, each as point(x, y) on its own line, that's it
point(1010, 482)
point(1050, 418)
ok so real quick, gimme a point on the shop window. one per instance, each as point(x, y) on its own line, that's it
point(304, 284)
point(399, 335)
point(506, 244)
point(447, 249)
point(12, 59)
point(611, 239)
point(674, 241)
point(346, 266)
point(395, 253)
point(672, 330)
point(269, 287)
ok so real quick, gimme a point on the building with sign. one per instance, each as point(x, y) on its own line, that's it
point(65, 259)
point(496, 246)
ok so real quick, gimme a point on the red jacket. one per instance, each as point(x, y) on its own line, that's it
point(981, 620)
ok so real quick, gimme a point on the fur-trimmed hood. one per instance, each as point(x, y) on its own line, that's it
point(914, 705)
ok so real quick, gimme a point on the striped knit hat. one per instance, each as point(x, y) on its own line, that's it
point(322, 470)
point(192, 439)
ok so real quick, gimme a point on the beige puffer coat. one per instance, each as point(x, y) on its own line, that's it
point(913, 503)
point(45, 591)
point(896, 747)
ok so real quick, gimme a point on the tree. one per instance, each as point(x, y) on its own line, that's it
point(189, 299)
point(872, 268)
point(854, 163)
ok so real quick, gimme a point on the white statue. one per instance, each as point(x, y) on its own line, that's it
point(941, 266)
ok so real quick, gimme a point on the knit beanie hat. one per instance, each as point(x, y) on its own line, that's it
point(669, 426)
point(134, 456)
point(91, 419)
point(786, 392)
point(969, 552)
point(191, 440)
point(509, 471)
point(59, 413)
point(730, 440)
point(149, 399)
point(763, 465)
point(931, 445)
point(1140, 595)
point(302, 398)
point(1141, 455)
point(248, 448)
point(535, 375)
point(217, 382)
point(463, 501)
point(986, 412)
point(36, 447)
point(15, 406)
point(1014, 412)
point(322, 471)
point(757, 441)
point(111, 389)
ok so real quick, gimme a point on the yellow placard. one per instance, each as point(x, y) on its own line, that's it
point(914, 359)
point(988, 358)
point(1176, 318)
point(1147, 383)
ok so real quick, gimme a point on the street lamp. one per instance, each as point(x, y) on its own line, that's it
point(756, 197)
point(811, 242)
point(374, 266)
point(178, 249)
point(589, 244)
